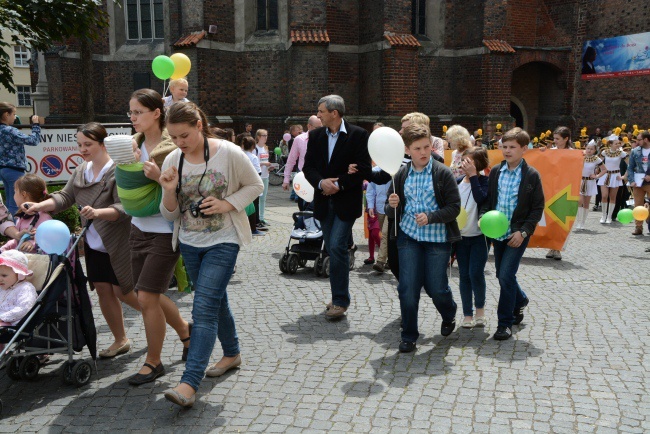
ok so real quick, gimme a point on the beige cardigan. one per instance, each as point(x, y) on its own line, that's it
point(114, 235)
point(244, 186)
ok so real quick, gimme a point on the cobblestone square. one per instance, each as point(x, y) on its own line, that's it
point(578, 363)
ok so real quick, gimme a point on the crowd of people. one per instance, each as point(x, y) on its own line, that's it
point(200, 193)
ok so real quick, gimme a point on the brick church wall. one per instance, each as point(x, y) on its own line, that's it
point(609, 102)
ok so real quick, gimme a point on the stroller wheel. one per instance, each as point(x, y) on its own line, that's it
point(318, 263)
point(283, 263)
point(325, 268)
point(292, 264)
point(66, 372)
point(81, 373)
point(29, 368)
point(13, 368)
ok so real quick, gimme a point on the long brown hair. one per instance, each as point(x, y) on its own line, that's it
point(188, 113)
point(151, 100)
point(34, 186)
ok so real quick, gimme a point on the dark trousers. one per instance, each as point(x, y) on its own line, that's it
point(254, 218)
point(506, 261)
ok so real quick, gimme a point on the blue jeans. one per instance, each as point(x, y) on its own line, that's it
point(265, 181)
point(336, 234)
point(423, 264)
point(210, 268)
point(506, 261)
point(472, 254)
point(8, 178)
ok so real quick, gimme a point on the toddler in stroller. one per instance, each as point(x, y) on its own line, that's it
point(310, 245)
point(17, 296)
point(56, 320)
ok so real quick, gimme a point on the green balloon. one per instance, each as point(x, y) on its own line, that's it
point(163, 67)
point(277, 151)
point(625, 216)
point(494, 224)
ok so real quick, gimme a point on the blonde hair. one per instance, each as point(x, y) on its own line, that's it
point(174, 83)
point(417, 118)
point(259, 133)
point(460, 136)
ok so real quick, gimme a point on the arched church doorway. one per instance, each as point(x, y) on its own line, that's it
point(537, 97)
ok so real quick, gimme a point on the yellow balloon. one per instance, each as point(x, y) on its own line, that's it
point(182, 65)
point(640, 213)
point(462, 218)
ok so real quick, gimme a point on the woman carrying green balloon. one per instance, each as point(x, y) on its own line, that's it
point(514, 206)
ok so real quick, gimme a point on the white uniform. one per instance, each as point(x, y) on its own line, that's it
point(613, 166)
point(588, 186)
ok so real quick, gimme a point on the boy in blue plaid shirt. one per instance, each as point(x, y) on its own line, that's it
point(425, 201)
point(515, 189)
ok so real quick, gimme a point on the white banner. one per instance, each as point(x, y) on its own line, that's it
point(56, 157)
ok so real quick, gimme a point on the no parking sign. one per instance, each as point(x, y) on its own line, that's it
point(51, 166)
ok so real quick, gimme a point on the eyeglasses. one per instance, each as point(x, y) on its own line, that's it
point(135, 113)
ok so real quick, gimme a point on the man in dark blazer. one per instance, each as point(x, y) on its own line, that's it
point(338, 197)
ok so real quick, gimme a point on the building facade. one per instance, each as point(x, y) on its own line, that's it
point(475, 62)
point(20, 60)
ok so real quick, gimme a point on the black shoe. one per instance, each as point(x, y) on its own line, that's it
point(261, 227)
point(502, 333)
point(186, 350)
point(407, 347)
point(173, 283)
point(156, 371)
point(447, 327)
point(519, 312)
point(368, 261)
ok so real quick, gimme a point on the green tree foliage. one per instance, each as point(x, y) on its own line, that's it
point(43, 23)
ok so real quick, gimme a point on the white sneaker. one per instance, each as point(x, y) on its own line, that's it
point(608, 221)
point(602, 219)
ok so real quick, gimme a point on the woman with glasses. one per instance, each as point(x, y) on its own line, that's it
point(152, 258)
point(207, 184)
point(108, 264)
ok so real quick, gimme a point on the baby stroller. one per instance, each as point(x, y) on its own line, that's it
point(61, 321)
point(310, 246)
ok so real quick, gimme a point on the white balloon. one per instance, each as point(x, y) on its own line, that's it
point(303, 188)
point(386, 148)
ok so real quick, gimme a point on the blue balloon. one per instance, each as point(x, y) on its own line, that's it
point(53, 237)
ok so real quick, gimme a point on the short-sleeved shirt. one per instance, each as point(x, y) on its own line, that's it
point(419, 198)
point(508, 198)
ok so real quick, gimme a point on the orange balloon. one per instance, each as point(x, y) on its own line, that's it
point(640, 213)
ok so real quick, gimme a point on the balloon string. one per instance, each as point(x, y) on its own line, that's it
point(392, 177)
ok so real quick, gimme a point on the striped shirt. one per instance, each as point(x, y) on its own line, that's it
point(508, 198)
point(420, 197)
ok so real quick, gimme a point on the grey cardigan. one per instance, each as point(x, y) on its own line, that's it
point(114, 235)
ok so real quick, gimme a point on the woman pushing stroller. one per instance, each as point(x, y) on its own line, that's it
point(108, 262)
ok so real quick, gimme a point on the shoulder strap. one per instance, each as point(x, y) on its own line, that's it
point(206, 157)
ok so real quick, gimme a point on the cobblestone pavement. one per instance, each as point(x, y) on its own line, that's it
point(578, 363)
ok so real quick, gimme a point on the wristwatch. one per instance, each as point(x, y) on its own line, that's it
point(524, 234)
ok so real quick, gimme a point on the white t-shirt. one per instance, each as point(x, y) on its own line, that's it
point(263, 156)
point(218, 228)
point(254, 160)
point(467, 201)
point(92, 236)
point(155, 223)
